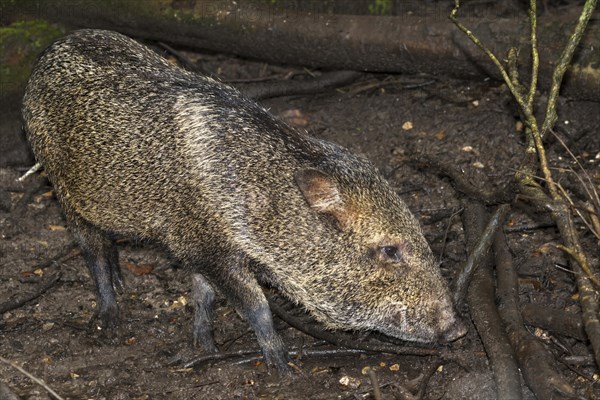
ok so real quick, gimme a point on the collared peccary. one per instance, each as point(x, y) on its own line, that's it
point(135, 146)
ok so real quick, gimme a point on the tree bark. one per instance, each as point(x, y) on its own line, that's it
point(428, 43)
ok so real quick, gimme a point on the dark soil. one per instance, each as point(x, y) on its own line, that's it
point(470, 125)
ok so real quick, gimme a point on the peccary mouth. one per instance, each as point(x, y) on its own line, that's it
point(454, 331)
point(446, 328)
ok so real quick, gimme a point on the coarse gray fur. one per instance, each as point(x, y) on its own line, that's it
point(139, 147)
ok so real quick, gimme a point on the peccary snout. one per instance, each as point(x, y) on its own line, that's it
point(452, 325)
point(455, 331)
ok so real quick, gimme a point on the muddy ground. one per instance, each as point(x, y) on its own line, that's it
point(472, 125)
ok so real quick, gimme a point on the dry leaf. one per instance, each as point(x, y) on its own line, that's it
point(519, 126)
point(349, 382)
point(139, 269)
point(295, 117)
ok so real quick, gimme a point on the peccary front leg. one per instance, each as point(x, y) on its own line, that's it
point(259, 316)
point(240, 287)
point(204, 297)
point(101, 256)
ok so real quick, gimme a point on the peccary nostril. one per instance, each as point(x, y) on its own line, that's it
point(456, 330)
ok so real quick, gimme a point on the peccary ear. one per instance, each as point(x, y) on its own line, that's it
point(322, 194)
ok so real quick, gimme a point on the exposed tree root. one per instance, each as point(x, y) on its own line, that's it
point(485, 314)
point(554, 320)
point(536, 362)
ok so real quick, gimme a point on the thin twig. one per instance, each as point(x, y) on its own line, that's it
point(444, 239)
point(479, 253)
point(36, 167)
point(563, 64)
point(374, 383)
point(69, 251)
point(535, 57)
point(425, 377)
point(33, 378)
point(185, 61)
point(345, 339)
point(593, 194)
point(532, 125)
point(246, 356)
point(41, 289)
point(529, 227)
point(274, 77)
point(582, 261)
point(488, 52)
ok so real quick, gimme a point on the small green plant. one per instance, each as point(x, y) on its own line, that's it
point(380, 7)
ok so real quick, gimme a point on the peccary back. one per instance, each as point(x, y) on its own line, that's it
point(136, 146)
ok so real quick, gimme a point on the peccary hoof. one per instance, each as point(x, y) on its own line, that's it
point(280, 361)
point(105, 319)
point(204, 339)
point(290, 372)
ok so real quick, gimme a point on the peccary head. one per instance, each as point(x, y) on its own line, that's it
point(383, 276)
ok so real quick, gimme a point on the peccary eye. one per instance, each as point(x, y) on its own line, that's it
point(391, 252)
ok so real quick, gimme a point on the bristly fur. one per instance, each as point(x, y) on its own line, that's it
point(137, 146)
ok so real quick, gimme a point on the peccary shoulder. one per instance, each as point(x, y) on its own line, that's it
point(136, 146)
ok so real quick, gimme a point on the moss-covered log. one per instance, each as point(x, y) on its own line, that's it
point(407, 43)
point(20, 44)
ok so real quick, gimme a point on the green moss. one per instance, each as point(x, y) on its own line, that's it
point(20, 44)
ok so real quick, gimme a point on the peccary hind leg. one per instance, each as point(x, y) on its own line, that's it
point(204, 298)
point(100, 254)
point(240, 287)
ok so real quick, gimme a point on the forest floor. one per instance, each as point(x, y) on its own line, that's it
point(469, 125)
